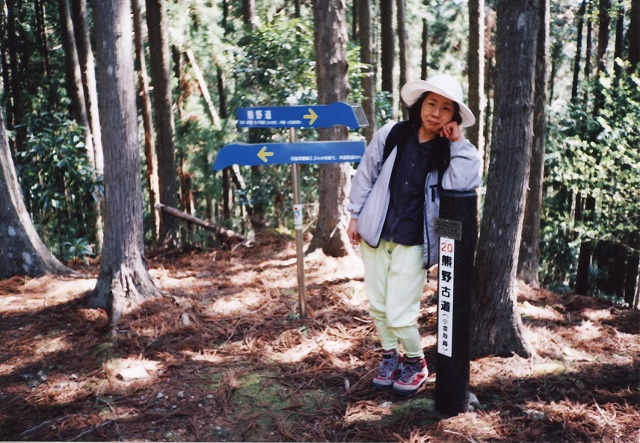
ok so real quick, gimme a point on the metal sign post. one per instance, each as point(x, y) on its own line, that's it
point(294, 153)
point(298, 216)
point(457, 229)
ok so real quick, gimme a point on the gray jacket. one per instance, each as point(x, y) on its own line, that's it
point(370, 195)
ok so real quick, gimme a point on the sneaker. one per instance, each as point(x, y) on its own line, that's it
point(388, 371)
point(412, 377)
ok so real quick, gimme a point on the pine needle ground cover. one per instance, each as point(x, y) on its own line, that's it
point(224, 356)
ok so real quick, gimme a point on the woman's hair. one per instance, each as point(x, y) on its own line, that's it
point(416, 108)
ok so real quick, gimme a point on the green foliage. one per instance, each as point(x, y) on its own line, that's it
point(276, 65)
point(593, 156)
point(58, 185)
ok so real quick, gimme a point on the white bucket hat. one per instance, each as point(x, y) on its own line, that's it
point(442, 84)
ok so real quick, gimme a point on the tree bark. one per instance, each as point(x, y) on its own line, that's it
point(403, 48)
point(489, 82)
point(588, 245)
point(249, 14)
point(576, 63)
point(163, 112)
point(331, 61)
point(147, 123)
point(633, 35)
point(41, 32)
point(497, 327)
point(632, 271)
point(225, 234)
point(387, 45)
point(424, 58)
point(123, 282)
point(23, 252)
point(18, 108)
point(366, 57)
point(74, 77)
point(88, 77)
point(529, 258)
point(81, 92)
point(619, 43)
point(475, 66)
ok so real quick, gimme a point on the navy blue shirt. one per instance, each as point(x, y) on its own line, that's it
point(404, 223)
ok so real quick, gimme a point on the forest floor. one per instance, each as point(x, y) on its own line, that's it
point(225, 357)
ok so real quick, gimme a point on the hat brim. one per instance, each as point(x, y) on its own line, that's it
point(414, 89)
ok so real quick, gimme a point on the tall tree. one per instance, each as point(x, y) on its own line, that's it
point(163, 113)
point(387, 45)
point(74, 76)
point(403, 41)
point(576, 63)
point(88, 75)
point(123, 281)
point(23, 252)
point(475, 67)
point(147, 124)
point(81, 88)
point(249, 14)
point(424, 57)
point(587, 246)
point(329, 17)
point(41, 33)
point(633, 35)
point(496, 325)
point(529, 258)
point(18, 109)
point(366, 57)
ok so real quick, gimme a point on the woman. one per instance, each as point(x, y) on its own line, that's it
point(394, 200)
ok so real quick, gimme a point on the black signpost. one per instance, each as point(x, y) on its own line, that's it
point(457, 229)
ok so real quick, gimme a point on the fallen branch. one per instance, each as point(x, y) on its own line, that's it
point(228, 234)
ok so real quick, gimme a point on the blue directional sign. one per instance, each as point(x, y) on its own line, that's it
point(248, 154)
point(316, 116)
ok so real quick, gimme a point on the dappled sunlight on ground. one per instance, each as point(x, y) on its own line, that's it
point(225, 356)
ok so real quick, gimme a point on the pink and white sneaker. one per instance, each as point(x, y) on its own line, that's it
point(413, 375)
point(388, 371)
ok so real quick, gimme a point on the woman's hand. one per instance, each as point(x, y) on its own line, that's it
point(451, 131)
point(352, 231)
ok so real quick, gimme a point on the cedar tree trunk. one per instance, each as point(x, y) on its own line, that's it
point(123, 281)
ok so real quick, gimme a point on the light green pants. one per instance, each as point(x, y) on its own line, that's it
point(394, 281)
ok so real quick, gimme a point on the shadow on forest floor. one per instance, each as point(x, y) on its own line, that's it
point(224, 357)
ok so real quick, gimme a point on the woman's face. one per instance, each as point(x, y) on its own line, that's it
point(436, 112)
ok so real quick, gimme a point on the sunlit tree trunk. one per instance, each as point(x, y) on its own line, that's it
point(249, 13)
point(163, 114)
point(496, 324)
point(366, 57)
point(147, 123)
point(403, 41)
point(18, 109)
point(529, 258)
point(475, 66)
point(88, 75)
point(123, 282)
point(489, 82)
point(81, 92)
point(329, 18)
point(23, 252)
